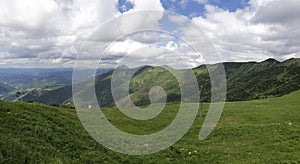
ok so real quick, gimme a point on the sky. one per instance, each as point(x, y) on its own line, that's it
point(51, 33)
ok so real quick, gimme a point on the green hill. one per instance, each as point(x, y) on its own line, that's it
point(245, 81)
point(260, 80)
point(258, 131)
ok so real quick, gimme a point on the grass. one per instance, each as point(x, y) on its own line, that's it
point(260, 131)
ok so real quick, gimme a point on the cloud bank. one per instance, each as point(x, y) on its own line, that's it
point(49, 33)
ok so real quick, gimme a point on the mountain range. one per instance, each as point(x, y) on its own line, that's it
point(245, 81)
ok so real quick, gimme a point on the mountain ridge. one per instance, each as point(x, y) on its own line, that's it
point(245, 81)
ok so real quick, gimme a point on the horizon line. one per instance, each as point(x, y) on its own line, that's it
point(61, 67)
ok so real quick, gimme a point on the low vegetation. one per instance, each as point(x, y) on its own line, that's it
point(258, 131)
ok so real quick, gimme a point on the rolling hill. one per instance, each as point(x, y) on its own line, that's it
point(245, 81)
point(258, 131)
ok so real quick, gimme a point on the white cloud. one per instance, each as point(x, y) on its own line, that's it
point(133, 54)
point(49, 29)
point(39, 33)
point(57, 60)
point(259, 3)
point(180, 20)
point(201, 1)
point(125, 47)
point(147, 5)
point(253, 33)
point(172, 46)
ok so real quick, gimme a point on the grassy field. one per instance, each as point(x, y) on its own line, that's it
point(260, 131)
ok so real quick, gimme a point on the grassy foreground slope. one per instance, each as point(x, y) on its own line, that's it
point(261, 131)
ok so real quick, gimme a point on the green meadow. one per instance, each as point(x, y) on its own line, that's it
point(258, 131)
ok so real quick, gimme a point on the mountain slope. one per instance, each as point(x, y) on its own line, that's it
point(246, 132)
point(260, 80)
point(49, 96)
point(245, 81)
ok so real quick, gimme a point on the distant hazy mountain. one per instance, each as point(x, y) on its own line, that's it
point(32, 77)
point(245, 81)
point(38, 77)
point(35, 82)
point(45, 81)
point(4, 88)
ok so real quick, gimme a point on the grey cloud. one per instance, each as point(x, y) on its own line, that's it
point(286, 11)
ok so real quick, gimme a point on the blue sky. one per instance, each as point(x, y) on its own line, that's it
point(230, 5)
point(190, 8)
point(124, 5)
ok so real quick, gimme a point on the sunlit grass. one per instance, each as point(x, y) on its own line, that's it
point(259, 131)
